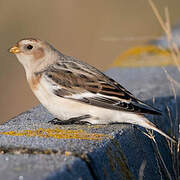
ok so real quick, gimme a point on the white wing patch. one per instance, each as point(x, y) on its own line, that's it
point(81, 95)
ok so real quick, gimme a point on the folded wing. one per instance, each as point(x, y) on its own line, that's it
point(83, 83)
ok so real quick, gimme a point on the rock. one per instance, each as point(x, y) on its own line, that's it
point(32, 148)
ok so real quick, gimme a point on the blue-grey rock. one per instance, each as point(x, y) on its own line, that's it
point(117, 154)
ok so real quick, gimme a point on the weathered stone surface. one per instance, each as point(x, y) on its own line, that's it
point(32, 148)
point(148, 82)
point(41, 166)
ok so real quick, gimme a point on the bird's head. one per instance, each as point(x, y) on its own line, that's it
point(32, 52)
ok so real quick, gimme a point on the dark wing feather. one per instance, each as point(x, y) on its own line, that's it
point(74, 80)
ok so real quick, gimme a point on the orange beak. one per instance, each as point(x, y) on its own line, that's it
point(14, 49)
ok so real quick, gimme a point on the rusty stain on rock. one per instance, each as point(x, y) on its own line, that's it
point(58, 134)
point(144, 56)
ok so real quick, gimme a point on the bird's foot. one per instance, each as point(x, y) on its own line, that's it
point(74, 120)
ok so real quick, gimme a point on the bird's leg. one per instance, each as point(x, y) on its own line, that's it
point(74, 120)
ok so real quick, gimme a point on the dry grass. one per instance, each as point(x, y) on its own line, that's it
point(174, 125)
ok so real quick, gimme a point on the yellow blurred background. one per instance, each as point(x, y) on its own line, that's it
point(95, 31)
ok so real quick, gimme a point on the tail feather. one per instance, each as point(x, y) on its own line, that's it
point(148, 109)
point(162, 133)
point(149, 125)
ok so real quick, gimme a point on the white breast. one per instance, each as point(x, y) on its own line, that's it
point(64, 109)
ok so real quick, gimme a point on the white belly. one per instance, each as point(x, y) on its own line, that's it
point(65, 109)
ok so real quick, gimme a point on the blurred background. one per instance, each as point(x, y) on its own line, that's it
point(94, 31)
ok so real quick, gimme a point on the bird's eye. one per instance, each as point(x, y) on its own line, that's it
point(29, 47)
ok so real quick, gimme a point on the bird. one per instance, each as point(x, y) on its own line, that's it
point(74, 91)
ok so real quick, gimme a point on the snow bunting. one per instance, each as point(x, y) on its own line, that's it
point(74, 91)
